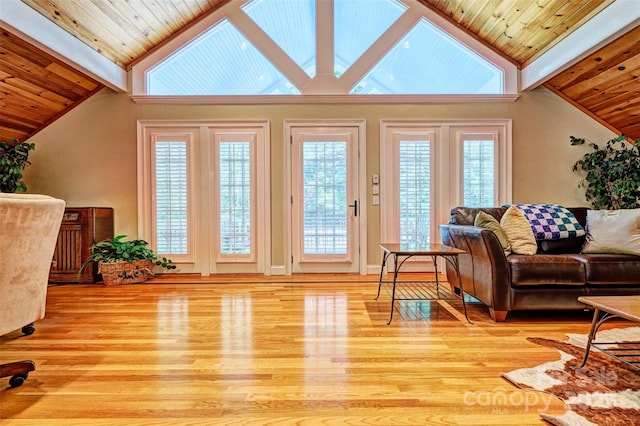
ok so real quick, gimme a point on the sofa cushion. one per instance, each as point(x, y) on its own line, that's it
point(519, 232)
point(546, 269)
point(611, 269)
point(467, 215)
point(613, 231)
point(566, 245)
point(563, 245)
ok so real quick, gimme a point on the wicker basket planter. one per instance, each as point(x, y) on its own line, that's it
point(116, 273)
point(114, 257)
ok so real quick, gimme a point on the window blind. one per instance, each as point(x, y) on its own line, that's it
point(171, 197)
point(478, 173)
point(235, 197)
point(325, 197)
point(415, 191)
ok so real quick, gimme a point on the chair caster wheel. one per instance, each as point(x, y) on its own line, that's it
point(28, 330)
point(18, 380)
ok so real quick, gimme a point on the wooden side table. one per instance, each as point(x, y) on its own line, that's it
point(422, 290)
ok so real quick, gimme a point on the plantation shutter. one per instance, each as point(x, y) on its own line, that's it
point(478, 164)
point(235, 197)
point(325, 197)
point(171, 197)
point(415, 191)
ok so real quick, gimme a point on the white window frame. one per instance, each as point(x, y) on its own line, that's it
point(323, 88)
point(199, 134)
point(362, 185)
point(223, 136)
point(465, 136)
point(146, 185)
point(447, 178)
point(500, 132)
point(390, 178)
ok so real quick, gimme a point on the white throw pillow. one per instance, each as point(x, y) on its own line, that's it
point(519, 232)
point(613, 231)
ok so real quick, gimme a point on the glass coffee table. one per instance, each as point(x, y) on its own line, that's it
point(419, 290)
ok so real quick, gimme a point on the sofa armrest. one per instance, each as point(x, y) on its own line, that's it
point(484, 271)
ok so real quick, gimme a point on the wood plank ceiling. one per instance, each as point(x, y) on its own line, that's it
point(36, 88)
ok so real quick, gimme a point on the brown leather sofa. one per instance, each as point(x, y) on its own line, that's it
point(552, 279)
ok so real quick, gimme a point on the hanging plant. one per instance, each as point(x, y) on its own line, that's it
point(611, 174)
point(14, 158)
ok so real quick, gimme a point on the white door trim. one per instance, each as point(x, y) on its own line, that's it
point(362, 185)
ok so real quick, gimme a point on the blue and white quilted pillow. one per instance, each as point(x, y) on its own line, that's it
point(551, 221)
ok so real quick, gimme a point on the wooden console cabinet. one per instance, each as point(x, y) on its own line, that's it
point(81, 228)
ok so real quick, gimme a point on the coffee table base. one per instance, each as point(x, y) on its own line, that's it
point(627, 352)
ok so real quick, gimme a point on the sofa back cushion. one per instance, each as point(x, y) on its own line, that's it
point(467, 215)
point(566, 245)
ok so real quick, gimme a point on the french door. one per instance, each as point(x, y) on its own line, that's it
point(326, 208)
point(204, 194)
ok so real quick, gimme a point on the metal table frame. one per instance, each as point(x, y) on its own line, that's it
point(422, 290)
point(605, 308)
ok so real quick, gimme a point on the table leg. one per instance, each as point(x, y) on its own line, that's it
point(595, 324)
point(393, 289)
point(435, 267)
point(384, 261)
point(453, 260)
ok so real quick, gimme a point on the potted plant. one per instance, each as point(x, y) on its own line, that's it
point(14, 158)
point(125, 262)
point(611, 174)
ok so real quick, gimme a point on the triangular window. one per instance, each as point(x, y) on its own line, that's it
point(432, 62)
point(357, 26)
point(220, 62)
point(327, 47)
point(292, 25)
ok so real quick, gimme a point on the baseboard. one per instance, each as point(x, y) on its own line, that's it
point(278, 270)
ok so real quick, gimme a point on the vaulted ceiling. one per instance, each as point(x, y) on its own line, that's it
point(39, 84)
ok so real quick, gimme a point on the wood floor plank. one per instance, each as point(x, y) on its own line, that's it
point(247, 350)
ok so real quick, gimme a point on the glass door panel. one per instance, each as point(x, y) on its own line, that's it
point(324, 201)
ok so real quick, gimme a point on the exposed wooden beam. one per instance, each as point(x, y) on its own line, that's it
point(617, 19)
point(20, 19)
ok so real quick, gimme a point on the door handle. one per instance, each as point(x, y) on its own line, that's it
point(355, 207)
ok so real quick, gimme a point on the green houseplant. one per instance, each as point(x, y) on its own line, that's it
point(14, 158)
point(611, 174)
point(125, 262)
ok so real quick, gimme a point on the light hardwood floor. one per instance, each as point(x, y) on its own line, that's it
point(253, 350)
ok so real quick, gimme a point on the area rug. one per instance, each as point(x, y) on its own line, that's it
point(605, 392)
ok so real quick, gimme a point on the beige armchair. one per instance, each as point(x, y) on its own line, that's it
point(29, 226)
